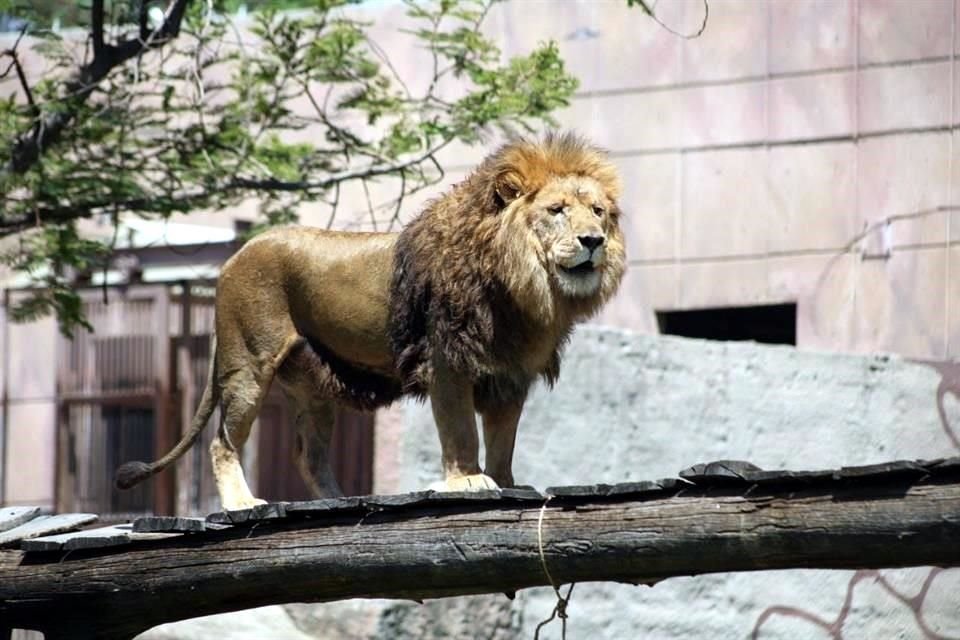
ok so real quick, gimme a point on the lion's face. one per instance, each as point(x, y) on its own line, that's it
point(563, 242)
point(572, 219)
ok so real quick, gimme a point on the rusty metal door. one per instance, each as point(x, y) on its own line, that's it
point(113, 394)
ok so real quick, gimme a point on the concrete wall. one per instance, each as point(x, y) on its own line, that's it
point(632, 407)
point(756, 154)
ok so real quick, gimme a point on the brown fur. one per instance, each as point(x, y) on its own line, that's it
point(468, 305)
point(457, 302)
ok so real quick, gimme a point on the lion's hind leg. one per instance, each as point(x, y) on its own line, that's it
point(244, 385)
point(314, 419)
point(310, 385)
point(242, 395)
point(316, 380)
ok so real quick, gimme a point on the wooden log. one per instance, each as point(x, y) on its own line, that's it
point(435, 549)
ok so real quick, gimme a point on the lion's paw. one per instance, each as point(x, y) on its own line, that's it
point(476, 482)
point(242, 503)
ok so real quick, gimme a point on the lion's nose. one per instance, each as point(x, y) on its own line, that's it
point(590, 242)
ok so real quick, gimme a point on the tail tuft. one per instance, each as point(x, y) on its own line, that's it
point(131, 474)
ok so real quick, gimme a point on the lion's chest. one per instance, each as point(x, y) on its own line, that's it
point(537, 355)
point(525, 346)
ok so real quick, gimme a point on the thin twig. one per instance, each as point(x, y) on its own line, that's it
point(366, 194)
point(686, 36)
point(334, 205)
point(396, 212)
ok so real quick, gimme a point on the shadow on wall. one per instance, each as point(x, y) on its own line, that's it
point(917, 604)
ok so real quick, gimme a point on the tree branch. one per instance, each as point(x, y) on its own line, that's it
point(418, 547)
point(11, 224)
point(21, 76)
point(48, 130)
point(96, 27)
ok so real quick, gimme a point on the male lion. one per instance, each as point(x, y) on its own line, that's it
point(468, 305)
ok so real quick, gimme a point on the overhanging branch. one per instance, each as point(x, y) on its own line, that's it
point(184, 201)
point(418, 547)
point(48, 129)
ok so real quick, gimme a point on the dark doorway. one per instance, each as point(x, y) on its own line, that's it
point(769, 324)
point(351, 454)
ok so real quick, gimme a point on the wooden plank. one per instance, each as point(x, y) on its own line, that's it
point(619, 491)
point(322, 506)
point(635, 489)
point(521, 494)
point(45, 525)
point(778, 477)
point(269, 511)
point(944, 465)
point(622, 491)
point(111, 536)
point(897, 468)
point(11, 517)
point(173, 524)
point(721, 471)
point(576, 491)
point(394, 501)
point(468, 497)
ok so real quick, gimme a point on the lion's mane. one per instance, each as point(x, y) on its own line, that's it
point(472, 288)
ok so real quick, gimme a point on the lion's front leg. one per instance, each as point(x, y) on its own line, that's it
point(499, 436)
point(451, 398)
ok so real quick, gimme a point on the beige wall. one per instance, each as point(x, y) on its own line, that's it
point(31, 413)
point(755, 155)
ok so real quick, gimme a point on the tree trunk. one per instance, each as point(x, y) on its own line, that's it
point(431, 551)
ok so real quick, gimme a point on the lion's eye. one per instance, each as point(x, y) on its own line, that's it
point(597, 209)
point(556, 209)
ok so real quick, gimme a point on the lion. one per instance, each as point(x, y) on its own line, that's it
point(468, 305)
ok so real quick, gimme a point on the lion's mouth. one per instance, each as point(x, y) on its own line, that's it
point(582, 269)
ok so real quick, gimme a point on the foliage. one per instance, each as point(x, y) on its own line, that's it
point(190, 111)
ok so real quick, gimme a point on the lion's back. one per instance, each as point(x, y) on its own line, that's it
point(331, 286)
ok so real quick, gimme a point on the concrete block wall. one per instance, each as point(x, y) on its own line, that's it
point(757, 157)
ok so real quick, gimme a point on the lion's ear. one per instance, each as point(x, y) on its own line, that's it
point(507, 188)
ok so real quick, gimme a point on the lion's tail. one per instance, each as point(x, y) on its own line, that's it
point(132, 473)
